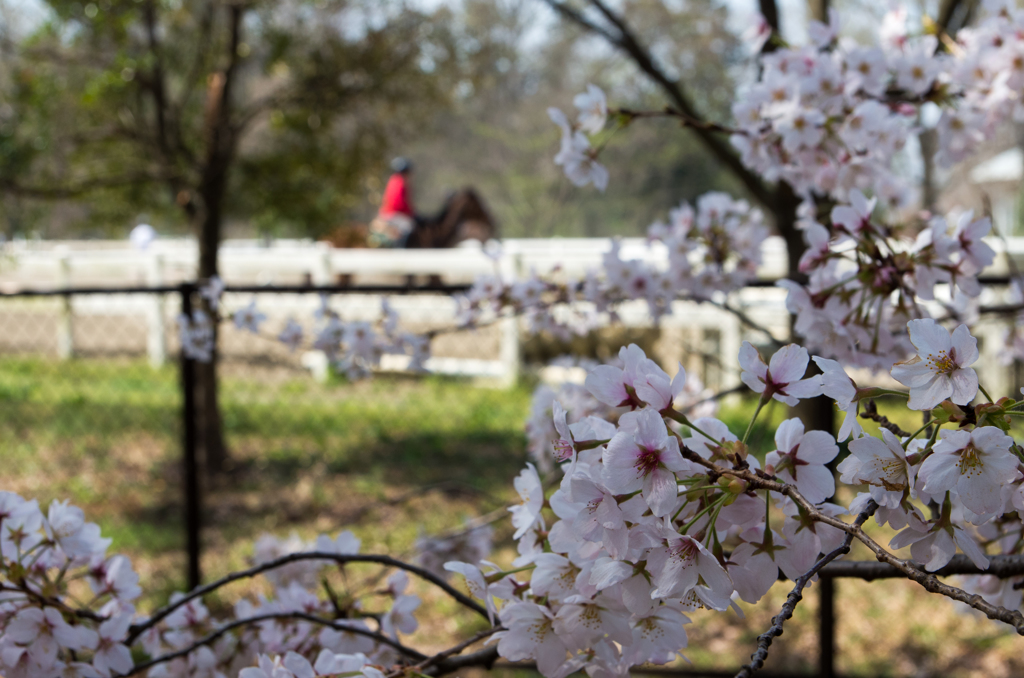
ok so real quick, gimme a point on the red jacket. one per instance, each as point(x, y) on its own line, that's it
point(396, 197)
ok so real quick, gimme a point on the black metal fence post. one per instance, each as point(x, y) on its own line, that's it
point(191, 466)
point(826, 627)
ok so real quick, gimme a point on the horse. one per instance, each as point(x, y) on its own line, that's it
point(462, 217)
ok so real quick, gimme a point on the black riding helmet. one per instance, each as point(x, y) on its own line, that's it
point(401, 165)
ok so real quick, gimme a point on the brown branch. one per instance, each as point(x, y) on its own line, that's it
point(1002, 567)
point(760, 481)
point(684, 119)
point(871, 413)
point(137, 629)
point(764, 641)
point(439, 658)
point(214, 635)
point(624, 39)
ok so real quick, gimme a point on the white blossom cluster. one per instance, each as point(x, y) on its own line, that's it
point(52, 561)
point(831, 117)
point(354, 348)
point(641, 532)
point(854, 308)
point(547, 445)
point(714, 248)
point(43, 558)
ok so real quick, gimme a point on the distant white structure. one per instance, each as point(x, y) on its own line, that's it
point(999, 179)
point(142, 236)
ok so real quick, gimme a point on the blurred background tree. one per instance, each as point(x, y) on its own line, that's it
point(114, 111)
point(277, 118)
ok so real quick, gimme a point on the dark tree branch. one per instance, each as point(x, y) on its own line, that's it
point(137, 629)
point(758, 480)
point(302, 616)
point(1002, 567)
point(764, 641)
point(627, 42)
point(483, 658)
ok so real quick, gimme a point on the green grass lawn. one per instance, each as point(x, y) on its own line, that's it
point(390, 458)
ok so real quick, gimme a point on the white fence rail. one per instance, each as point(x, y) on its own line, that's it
point(169, 261)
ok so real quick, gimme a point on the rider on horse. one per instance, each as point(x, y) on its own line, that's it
point(396, 218)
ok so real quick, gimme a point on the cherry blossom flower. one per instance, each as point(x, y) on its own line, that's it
point(646, 460)
point(680, 562)
point(249, 318)
point(975, 463)
point(531, 635)
point(531, 490)
point(879, 463)
point(658, 636)
point(593, 109)
point(782, 378)
point(940, 370)
point(212, 290)
point(292, 335)
point(800, 458)
point(838, 386)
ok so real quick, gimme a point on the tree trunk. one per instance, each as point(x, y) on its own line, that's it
point(220, 143)
point(816, 413)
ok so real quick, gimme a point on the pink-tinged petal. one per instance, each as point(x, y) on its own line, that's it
point(978, 493)
point(620, 458)
point(860, 203)
point(608, 572)
point(799, 555)
point(991, 439)
point(805, 388)
point(713, 574)
point(678, 382)
point(939, 472)
point(965, 386)
point(788, 364)
point(952, 440)
point(650, 430)
point(965, 345)
point(789, 434)
point(605, 383)
point(934, 551)
point(673, 460)
point(757, 574)
point(912, 373)
point(792, 401)
point(756, 385)
point(846, 216)
point(835, 383)
point(970, 548)
point(751, 361)
point(925, 398)
point(815, 482)
point(660, 490)
point(929, 337)
point(850, 425)
point(906, 538)
point(655, 390)
point(772, 459)
point(632, 358)
point(818, 447)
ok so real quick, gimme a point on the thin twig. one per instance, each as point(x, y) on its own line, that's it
point(764, 641)
point(684, 119)
point(214, 635)
point(758, 480)
point(137, 629)
point(445, 654)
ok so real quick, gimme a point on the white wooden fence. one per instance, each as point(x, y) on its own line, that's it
point(52, 265)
